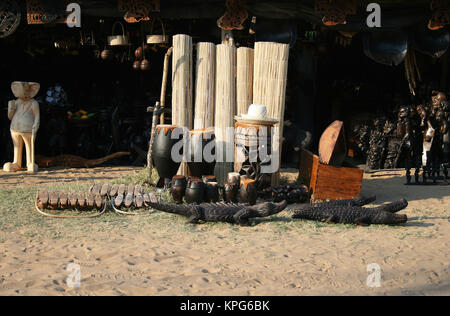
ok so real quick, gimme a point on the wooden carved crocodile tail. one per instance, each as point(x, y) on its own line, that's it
point(168, 208)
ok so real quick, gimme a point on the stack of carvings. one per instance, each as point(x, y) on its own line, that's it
point(418, 139)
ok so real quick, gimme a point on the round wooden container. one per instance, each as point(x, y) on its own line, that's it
point(199, 139)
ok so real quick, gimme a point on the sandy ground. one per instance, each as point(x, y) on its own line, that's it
point(276, 257)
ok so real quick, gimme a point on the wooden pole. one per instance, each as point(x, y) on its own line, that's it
point(162, 99)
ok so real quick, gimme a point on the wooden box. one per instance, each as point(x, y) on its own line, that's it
point(323, 174)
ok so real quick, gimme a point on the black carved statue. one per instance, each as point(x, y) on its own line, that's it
point(377, 145)
point(407, 151)
point(435, 157)
point(362, 140)
point(393, 145)
point(444, 133)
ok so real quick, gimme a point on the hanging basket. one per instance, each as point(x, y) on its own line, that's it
point(158, 38)
point(118, 40)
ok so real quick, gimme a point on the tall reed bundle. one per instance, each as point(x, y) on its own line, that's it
point(205, 85)
point(244, 79)
point(269, 85)
point(225, 108)
point(182, 85)
point(182, 80)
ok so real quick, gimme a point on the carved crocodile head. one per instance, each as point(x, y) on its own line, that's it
point(387, 218)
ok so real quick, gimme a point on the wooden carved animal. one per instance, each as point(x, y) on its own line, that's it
point(219, 212)
point(70, 161)
point(352, 212)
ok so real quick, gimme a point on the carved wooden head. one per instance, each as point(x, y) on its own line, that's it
point(437, 98)
point(25, 90)
point(404, 112)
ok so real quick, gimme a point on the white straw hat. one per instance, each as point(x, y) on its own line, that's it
point(256, 113)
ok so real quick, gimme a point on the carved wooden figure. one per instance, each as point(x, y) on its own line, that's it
point(438, 102)
point(25, 119)
point(405, 135)
point(377, 143)
point(427, 133)
point(393, 145)
point(444, 127)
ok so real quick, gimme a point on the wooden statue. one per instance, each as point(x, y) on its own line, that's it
point(407, 151)
point(377, 143)
point(437, 100)
point(444, 128)
point(438, 103)
point(427, 133)
point(362, 140)
point(446, 138)
point(393, 145)
point(25, 119)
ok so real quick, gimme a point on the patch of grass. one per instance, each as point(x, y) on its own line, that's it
point(18, 216)
point(139, 178)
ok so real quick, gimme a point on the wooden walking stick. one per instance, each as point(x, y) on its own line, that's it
point(164, 81)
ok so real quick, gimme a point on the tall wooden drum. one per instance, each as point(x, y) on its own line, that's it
point(162, 153)
point(199, 164)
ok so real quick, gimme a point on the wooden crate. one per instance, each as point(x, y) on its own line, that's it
point(328, 182)
point(325, 181)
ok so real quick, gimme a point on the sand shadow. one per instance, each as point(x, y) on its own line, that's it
point(272, 219)
point(394, 188)
point(417, 224)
